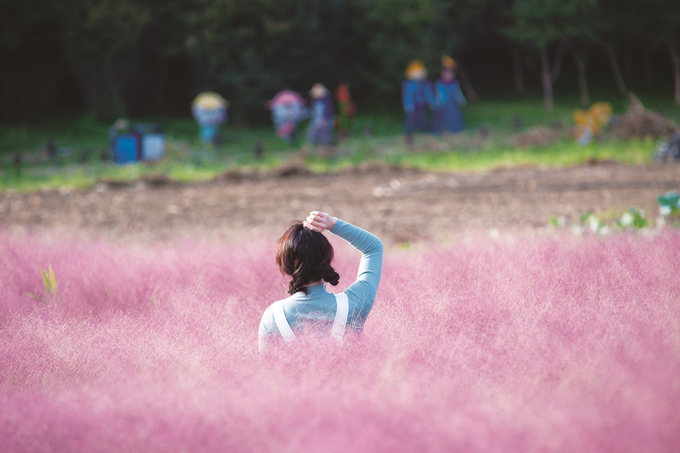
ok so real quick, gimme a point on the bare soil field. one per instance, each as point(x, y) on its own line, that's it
point(400, 205)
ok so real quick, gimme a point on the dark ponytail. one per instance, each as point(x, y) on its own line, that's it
point(306, 256)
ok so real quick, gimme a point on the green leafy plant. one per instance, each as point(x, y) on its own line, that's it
point(669, 203)
point(633, 218)
point(556, 221)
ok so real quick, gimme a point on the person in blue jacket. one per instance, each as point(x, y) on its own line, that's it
point(447, 116)
point(304, 254)
point(322, 122)
point(416, 95)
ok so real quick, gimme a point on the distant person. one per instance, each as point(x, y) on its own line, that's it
point(121, 126)
point(416, 95)
point(210, 111)
point(306, 256)
point(288, 109)
point(322, 121)
point(447, 116)
point(346, 109)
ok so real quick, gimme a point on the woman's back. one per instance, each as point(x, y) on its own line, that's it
point(317, 309)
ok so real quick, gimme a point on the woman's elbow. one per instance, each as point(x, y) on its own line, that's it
point(379, 246)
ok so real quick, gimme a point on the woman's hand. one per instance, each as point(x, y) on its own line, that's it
point(319, 221)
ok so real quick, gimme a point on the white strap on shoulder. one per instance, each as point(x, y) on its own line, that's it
point(282, 322)
point(338, 331)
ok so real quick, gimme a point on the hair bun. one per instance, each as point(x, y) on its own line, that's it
point(329, 275)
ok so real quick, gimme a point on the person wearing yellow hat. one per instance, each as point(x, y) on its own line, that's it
point(416, 94)
point(448, 117)
point(210, 110)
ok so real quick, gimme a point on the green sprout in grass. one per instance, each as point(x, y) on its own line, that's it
point(49, 281)
point(557, 221)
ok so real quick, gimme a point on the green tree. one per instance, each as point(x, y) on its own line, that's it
point(399, 34)
point(541, 24)
point(250, 49)
point(581, 32)
point(664, 29)
point(34, 73)
point(100, 38)
point(162, 78)
point(409, 29)
point(618, 20)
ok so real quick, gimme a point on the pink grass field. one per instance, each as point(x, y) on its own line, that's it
point(527, 344)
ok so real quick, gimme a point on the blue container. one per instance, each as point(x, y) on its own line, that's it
point(152, 141)
point(153, 146)
point(126, 148)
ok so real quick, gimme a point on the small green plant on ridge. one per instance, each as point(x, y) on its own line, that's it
point(669, 203)
point(633, 218)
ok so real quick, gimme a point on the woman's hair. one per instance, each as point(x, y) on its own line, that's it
point(306, 256)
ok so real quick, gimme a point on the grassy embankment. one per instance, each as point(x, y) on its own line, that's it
point(80, 142)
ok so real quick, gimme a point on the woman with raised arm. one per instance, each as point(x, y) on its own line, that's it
point(305, 255)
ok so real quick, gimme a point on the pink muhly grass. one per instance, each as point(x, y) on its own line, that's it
point(536, 344)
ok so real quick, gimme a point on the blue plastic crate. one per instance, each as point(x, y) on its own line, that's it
point(126, 148)
point(153, 146)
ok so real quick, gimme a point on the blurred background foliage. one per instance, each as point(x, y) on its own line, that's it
point(109, 58)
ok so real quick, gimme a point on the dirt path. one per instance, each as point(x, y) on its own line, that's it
point(400, 205)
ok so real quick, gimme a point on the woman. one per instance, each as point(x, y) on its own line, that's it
point(305, 255)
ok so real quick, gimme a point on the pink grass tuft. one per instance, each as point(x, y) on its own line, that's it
point(541, 344)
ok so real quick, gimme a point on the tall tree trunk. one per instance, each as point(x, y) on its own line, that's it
point(647, 64)
point(465, 83)
point(160, 100)
point(517, 70)
point(629, 55)
point(616, 70)
point(582, 81)
point(557, 62)
point(675, 59)
point(546, 80)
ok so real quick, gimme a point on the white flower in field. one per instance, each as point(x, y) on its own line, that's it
point(604, 230)
point(627, 219)
point(593, 223)
point(665, 210)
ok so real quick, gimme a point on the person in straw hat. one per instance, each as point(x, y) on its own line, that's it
point(209, 110)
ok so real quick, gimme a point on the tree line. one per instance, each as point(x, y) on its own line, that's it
point(150, 57)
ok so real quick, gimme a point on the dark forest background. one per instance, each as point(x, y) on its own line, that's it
point(110, 58)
